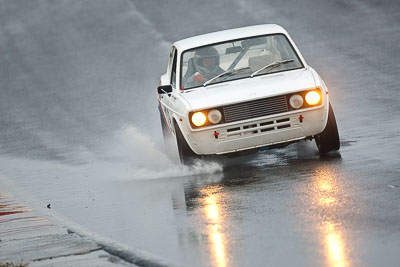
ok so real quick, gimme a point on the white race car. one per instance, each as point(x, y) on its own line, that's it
point(243, 89)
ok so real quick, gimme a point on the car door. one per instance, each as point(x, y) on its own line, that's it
point(168, 100)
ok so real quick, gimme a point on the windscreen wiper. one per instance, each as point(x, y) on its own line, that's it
point(225, 73)
point(272, 66)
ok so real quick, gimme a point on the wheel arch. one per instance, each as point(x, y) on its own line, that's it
point(175, 121)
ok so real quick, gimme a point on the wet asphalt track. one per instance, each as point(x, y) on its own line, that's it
point(79, 128)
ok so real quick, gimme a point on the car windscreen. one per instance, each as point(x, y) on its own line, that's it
point(237, 59)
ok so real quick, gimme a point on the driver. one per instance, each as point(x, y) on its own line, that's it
point(206, 61)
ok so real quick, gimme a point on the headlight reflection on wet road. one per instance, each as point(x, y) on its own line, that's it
point(216, 236)
point(335, 246)
point(328, 203)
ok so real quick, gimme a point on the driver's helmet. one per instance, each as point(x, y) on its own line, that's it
point(207, 59)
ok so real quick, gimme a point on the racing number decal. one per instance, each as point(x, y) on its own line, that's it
point(167, 116)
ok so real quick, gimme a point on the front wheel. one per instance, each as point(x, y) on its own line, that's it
point(328, 139)
point(186, 154)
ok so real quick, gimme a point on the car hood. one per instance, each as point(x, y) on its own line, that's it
point(249, 89)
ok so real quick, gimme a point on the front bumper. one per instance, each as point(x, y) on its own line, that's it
point(259, 132)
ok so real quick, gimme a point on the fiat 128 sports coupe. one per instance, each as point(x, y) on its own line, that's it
point(240, 90)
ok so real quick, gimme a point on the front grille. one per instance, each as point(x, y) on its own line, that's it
point(255, 108)
point(259, 127)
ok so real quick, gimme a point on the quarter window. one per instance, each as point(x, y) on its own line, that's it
point(173, 71)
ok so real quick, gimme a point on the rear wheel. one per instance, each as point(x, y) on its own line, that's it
point(328, 139)
point(186, 154)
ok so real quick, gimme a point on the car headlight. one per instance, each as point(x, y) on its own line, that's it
point(214, 116)
point(296, 101)
point(199, 119)
point(313, 98)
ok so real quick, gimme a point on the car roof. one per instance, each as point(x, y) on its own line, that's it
point(225, 35)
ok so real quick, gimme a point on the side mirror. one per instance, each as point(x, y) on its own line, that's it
point(164, 89)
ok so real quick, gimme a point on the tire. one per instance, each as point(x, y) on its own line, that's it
point(328, 139)
point(186, 154)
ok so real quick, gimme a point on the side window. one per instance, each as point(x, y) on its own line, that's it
point(173, 71)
